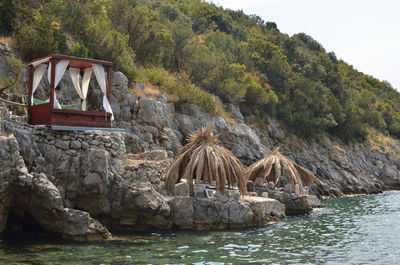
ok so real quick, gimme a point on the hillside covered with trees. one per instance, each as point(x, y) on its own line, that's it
point(195, 51)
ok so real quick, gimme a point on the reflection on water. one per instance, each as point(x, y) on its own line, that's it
point(356, 230)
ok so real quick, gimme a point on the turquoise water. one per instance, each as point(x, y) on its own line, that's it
point(354, 230)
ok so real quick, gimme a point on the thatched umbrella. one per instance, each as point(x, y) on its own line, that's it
point(204, 160)
point(274, 164)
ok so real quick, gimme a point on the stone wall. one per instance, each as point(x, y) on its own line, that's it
point(73, 141)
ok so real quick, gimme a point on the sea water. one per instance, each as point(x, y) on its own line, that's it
point(351, 230)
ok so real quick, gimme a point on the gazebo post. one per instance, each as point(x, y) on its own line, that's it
point(52, 80)
point(30, 84)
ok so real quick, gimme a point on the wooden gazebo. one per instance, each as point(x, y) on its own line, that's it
point(51, 112)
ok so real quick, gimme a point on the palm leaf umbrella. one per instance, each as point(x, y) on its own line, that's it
point(202, 159)
point(274, 164)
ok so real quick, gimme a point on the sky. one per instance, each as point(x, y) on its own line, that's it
point(364, 33)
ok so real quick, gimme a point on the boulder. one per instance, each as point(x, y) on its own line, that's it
point(78, 225)
point(154, 113)
point(119, 80)
point(243, 142)
point(294, 204)
point(265, 209)
point(186, 124)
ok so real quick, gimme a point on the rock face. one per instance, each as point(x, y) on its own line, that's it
point(294, 204)
point(220, 213)
point(154, 124)
point(81, 170)
point(35, 195)
point(5, 50)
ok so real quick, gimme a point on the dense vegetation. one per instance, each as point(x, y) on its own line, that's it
point(193, 50)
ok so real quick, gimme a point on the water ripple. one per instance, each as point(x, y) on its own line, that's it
point(353, 230)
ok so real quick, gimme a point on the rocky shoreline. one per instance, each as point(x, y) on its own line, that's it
point(81, 185)
point(83, 194)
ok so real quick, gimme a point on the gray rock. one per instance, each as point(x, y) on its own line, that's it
point(297, 189)
point(172, 140)
point(222, 198)
point(116, 108)
point(182, 189)
point(243, 142)
point(236, 114)
point(265, 208)
point(271, 185)
point(294, 204)
point(288, 188)
point(199, 192)
point(119, 79)
point(78, 225)
point(85, 145)
point(92, 179)
point(71, 152)
point(240, 214)
point(126, 113)
point(153, 113)
point(76, 144)
point(274, 132)
point(4, 114)
point(94, 142)
point(38, 196)
point(185, 124)
point(27, 146)
point(131, 101)
point(182, 211)
point(62, 144)
point(162, 98)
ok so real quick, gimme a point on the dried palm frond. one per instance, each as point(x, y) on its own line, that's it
point(203, 160)
point(274, 164)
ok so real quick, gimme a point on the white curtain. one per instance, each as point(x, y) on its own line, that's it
point(61, 66)
point(75, 73)
point(82, 92)
point(37, 76)
point(101, 79)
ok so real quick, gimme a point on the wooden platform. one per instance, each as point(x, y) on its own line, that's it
point(43, 114)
